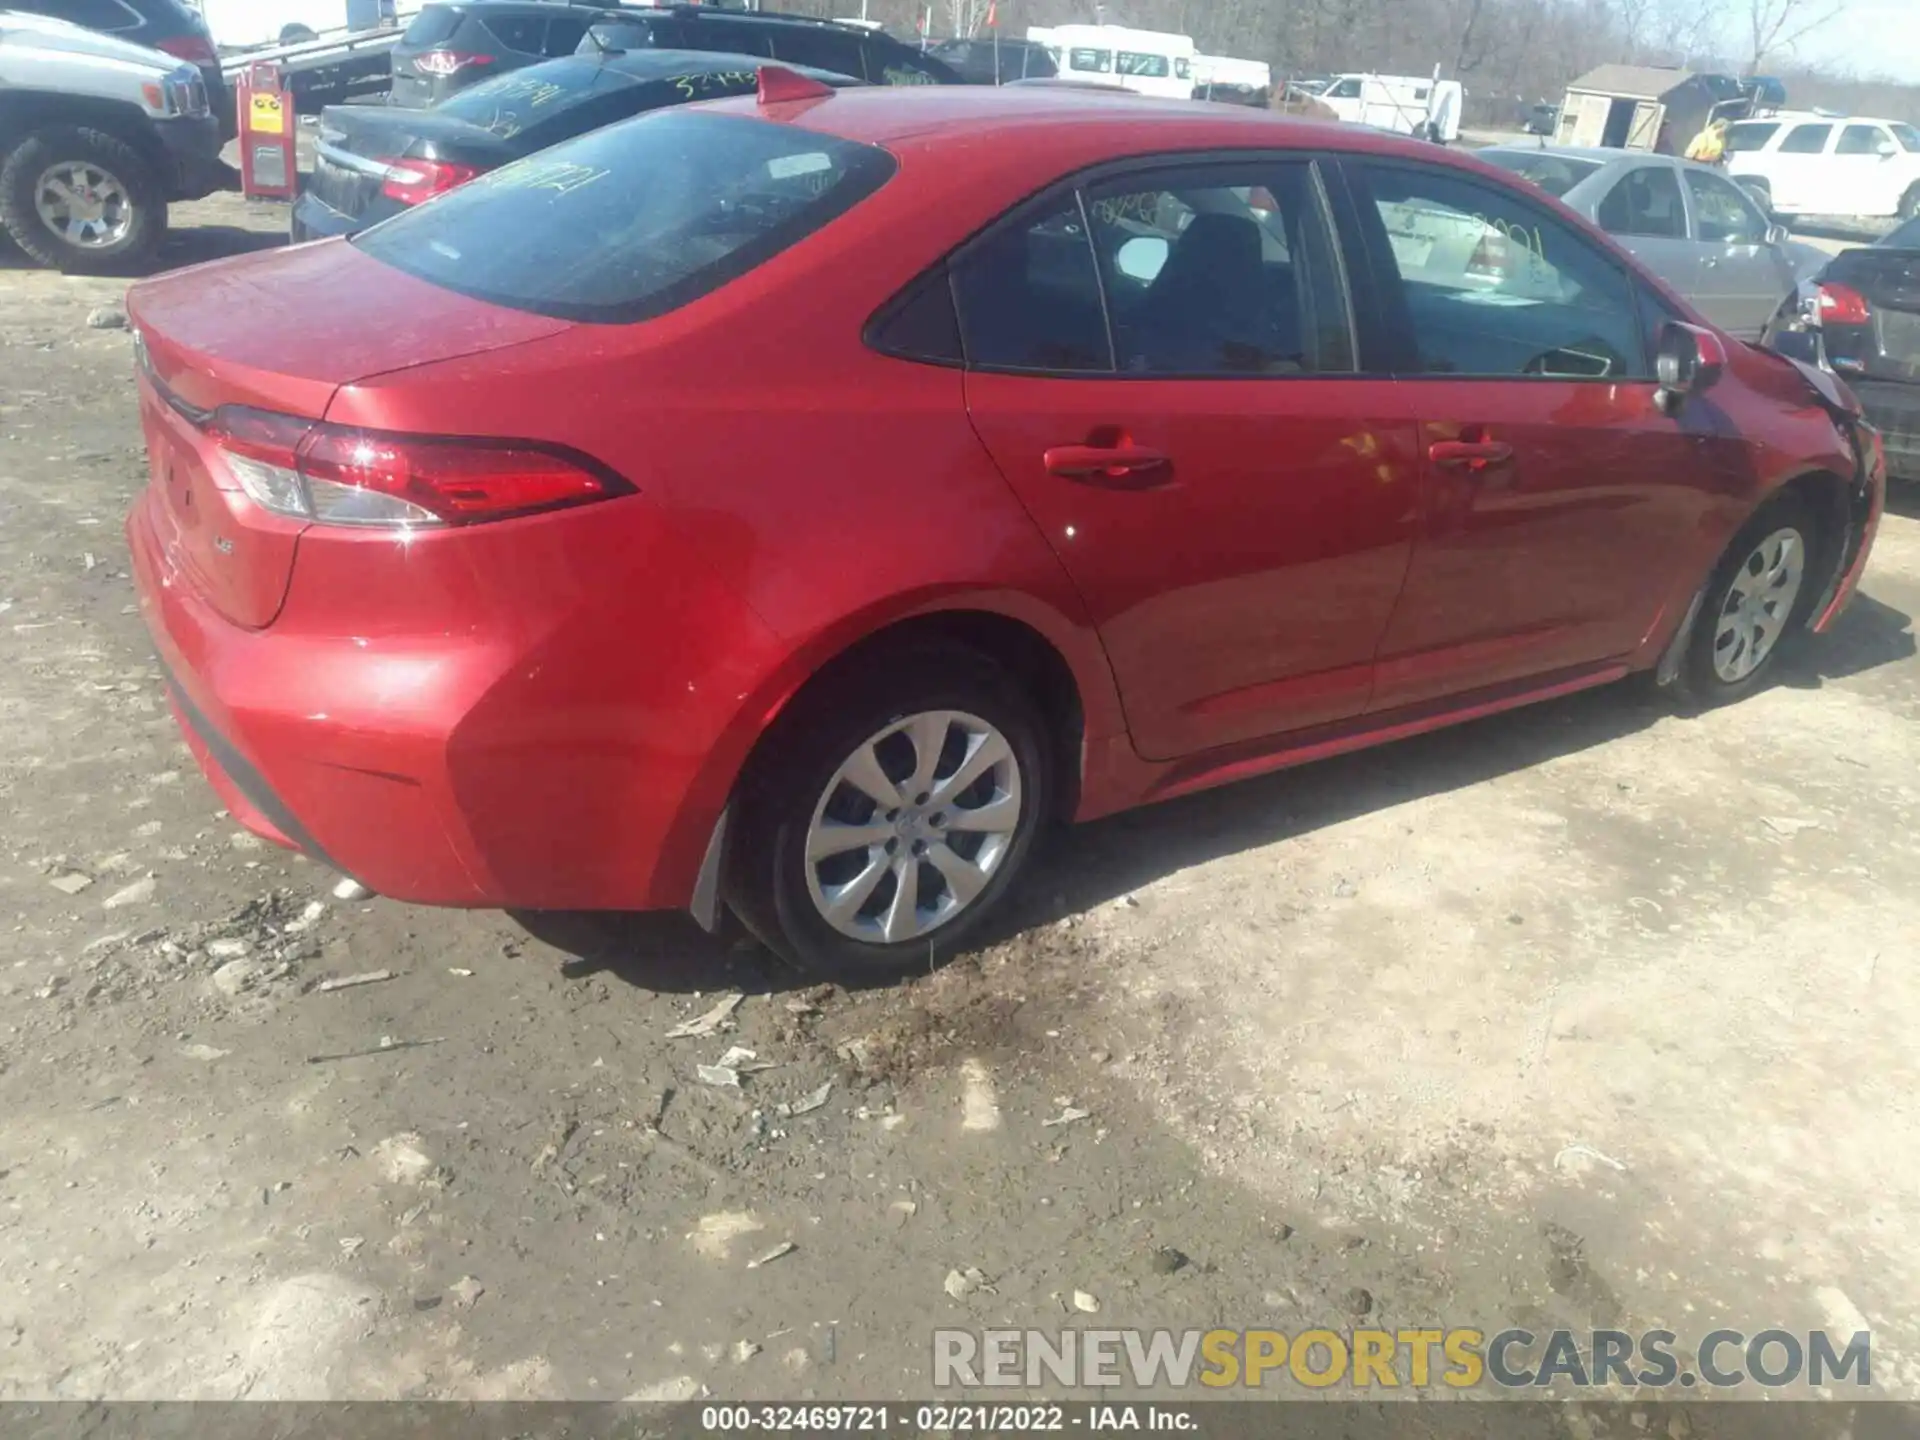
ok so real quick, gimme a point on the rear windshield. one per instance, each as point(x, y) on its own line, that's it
point(1555, 174)
point(431, 26)
point(632, 221)
point(508, 104)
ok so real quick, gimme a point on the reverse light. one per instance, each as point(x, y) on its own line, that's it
point(341, 475)
point(412, 181)
point(1842, 305)
point(448, 62)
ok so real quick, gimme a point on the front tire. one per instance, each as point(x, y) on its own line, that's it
point(81, 201)
point(891, 815)
point(1755, 604)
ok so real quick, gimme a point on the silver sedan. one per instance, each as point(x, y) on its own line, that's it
point(1688, 223)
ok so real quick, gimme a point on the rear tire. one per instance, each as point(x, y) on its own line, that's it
point(1910, 204)
point(114, 208)
point(820, 867)
point(1755, 604)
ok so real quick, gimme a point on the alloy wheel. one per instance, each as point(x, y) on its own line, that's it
point(1758, 605)
point(913, 826)
point(83, 204)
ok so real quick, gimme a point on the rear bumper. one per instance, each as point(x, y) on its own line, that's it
point(314, 219)
point(1894, 410)
point(501, 751)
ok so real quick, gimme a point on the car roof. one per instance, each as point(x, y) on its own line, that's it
point(959, 115)
point(652, 64)
point(709, 14)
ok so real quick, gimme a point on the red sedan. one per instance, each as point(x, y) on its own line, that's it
point(794, 505)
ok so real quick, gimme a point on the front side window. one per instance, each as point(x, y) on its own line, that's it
point(1094, 62)
point(1723, 214)
point(1345, 90)
point(1486, 285)
point(564, 35)
point(1645, 202)
point(634, 220)
point(1806, 140)
point(1142, 66)
point(823, 48)
point(1906, 137)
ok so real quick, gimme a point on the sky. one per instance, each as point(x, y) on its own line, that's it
point(1872, 39)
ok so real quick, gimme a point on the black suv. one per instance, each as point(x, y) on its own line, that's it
point(868, 55)
point(167, 25)
point(452, 44)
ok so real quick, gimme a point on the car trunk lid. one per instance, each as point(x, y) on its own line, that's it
point(1887, 345)
point(278, 332)
point(357, 143)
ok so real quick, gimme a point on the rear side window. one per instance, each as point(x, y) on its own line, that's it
point(1751, 136)
point(564, 35)
point(525, 33)
point(634, 220)
point(823, 47)
point(1142, 65)
point(1806, 140)
point(1029, 295)
point(1861, 140)
point(1645, 202)
point(432, 26)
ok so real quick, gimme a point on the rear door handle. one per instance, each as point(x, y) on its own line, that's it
point(1470, 454)
point(1103, 462)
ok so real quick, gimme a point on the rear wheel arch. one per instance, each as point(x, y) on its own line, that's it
point(1017, 646)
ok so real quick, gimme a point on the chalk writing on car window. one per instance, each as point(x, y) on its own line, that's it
point(711, 81)
point(1115, 208)
point(1532, 241)
point(558, 176)
point(535, 92)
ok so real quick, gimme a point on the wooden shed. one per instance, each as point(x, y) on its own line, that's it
point(1636, 107)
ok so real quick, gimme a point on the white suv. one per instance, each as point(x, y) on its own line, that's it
point(1823, 165)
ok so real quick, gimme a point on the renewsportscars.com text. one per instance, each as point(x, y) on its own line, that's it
point(1456, 1359)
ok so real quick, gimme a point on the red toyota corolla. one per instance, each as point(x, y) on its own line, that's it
point(795, 505)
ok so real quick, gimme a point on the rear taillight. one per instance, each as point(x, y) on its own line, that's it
point(448, 62)
point(195, 48)
point(1842, 305)
point(339, 475)
point(412, 181)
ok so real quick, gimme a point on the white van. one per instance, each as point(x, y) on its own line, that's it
point(1404, 103)
point(1150, 62)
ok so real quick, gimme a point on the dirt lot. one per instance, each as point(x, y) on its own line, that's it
point(1589, 1015)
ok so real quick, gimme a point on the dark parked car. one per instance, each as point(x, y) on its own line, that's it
point(170, 26)
point(985, 62)
point(448, 47)
point(1861, 318)
point(791, 39)
point(371, 162)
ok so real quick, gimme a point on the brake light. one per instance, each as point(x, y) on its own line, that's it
point(195, 48)
point(412, 181)
point(448, 62)
point(340, 475)
point(1843, 305)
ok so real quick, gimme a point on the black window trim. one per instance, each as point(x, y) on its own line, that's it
point(1054, 196)
point(1393, 338)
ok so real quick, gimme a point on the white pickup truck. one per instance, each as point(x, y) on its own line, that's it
point(1827, 165)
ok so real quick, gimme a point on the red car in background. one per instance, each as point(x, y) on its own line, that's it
point(794, 505)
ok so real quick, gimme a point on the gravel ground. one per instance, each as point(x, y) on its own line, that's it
point(1587, 1015)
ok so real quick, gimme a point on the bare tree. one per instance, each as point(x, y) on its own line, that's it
point(1776, 25)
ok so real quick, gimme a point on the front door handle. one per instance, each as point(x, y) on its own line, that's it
point(1470, 454)
point(1102, 462)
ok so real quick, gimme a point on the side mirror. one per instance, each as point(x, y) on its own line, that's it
point(1778, 234)
point(1141, 258)
point(1886, 149)
point(1690, 360)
